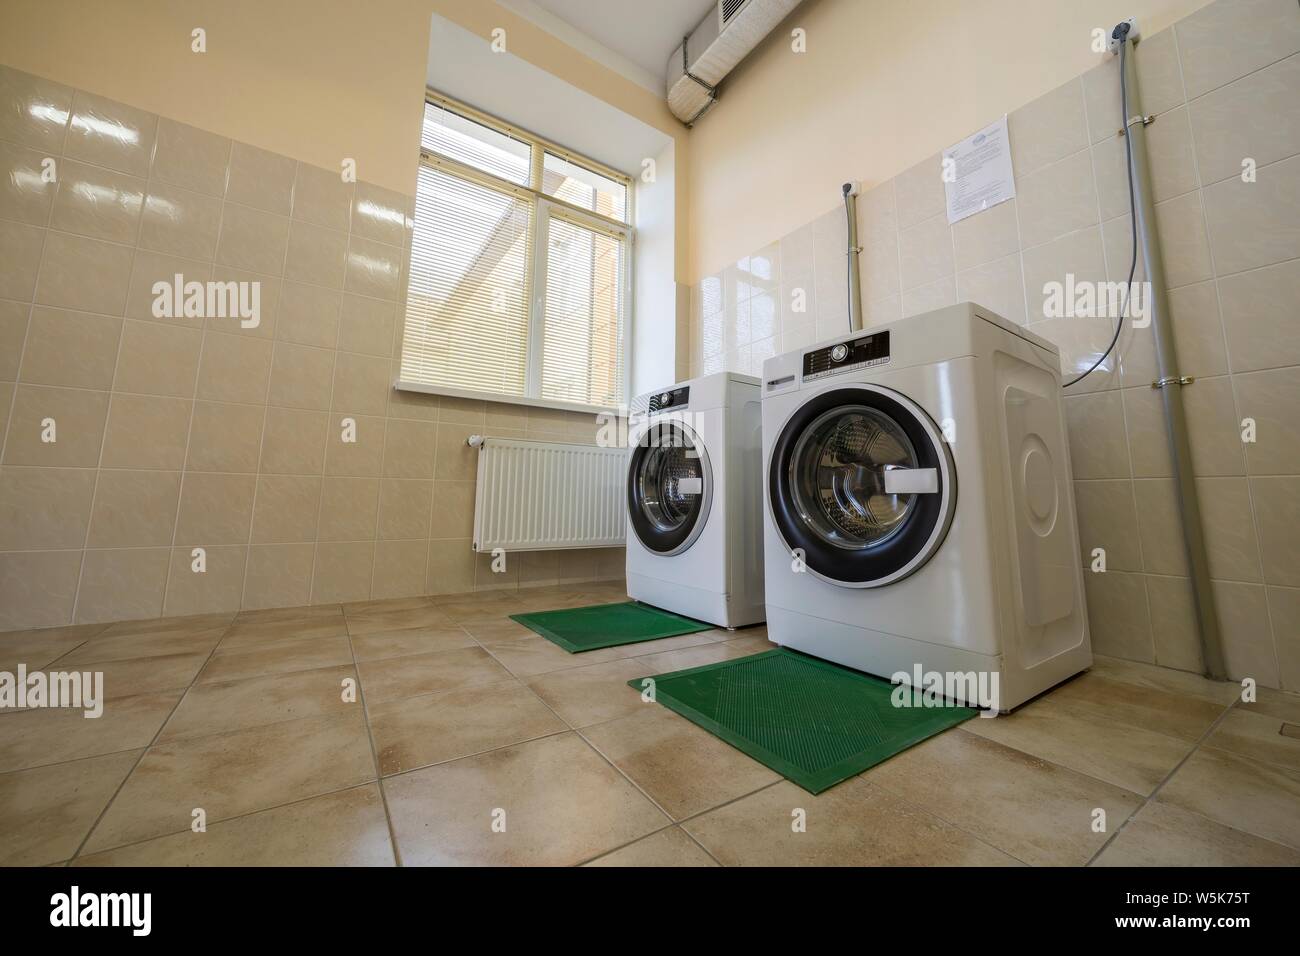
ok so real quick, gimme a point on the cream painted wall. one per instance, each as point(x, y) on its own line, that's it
point(883, 85)
point(316, 80)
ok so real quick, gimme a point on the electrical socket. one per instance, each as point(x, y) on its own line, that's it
point(1113, 45)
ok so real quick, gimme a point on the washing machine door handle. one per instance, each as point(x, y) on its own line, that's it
point(911, 481)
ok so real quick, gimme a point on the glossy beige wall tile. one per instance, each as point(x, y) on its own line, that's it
point(1224, 86)
point(174, 434)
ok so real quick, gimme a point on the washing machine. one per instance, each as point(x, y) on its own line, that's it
point(694, 500)
point(919, 513)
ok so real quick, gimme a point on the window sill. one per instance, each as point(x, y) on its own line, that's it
point(501, 399)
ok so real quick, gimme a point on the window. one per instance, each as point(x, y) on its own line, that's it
point(519, 267)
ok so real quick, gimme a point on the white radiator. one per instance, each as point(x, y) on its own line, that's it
point(543, 496)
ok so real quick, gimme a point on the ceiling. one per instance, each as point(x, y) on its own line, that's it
point(642, 33)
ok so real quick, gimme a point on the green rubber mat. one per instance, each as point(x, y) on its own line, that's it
point(578, 629)
point(811, 721)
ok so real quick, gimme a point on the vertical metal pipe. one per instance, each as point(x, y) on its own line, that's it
point(1170, 383)
point(855, 273)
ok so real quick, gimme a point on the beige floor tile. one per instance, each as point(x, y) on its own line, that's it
point(1165, 678)
point(414, 732)
point(34, 738)
point(532, 654)
point(386, 605)
point(46, 812)
point(1038, 812)
point(1258, 735)
point(305, 612)
point(279, 657)
point(379, 645)
point(852, 824)
point(253, 701)
point(669, 847)
point(125, 646)
point(683, 768)
point(1239, 792)
point(1275, 703)
point(497, 608)
point(147, 675)
point(1161, 834)
point(429, 674)
point(235, 773)
point(426, 616)
point(592, 694)
point(1126, 756)
point(346, 828)
point(259, 632)
point(38, 647)
point(557, 600)
point(1172, 713)
point(562, 804)
point(187, 624)
point(497, 631)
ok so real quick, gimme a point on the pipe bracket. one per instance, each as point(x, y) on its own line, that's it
point(1173, 380)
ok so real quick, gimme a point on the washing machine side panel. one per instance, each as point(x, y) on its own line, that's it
point(744, 450)
point(1041, 594)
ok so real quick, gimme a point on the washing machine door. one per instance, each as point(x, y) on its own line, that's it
point(669, 487)
point(862, 486)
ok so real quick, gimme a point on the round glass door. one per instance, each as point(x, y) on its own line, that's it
point(837, 474)
point(669, 485)
point(861, 485)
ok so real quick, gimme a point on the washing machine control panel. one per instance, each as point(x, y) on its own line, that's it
point(671, 398)
point(860, 352)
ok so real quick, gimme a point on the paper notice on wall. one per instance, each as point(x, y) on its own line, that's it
point(977, 172)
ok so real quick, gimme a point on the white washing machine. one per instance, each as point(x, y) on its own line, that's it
point(694, 500)
point(919, 507)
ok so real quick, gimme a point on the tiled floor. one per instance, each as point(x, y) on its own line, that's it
point(437, 731)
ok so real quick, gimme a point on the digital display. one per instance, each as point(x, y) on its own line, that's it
point(670, 398)
point(859, 352)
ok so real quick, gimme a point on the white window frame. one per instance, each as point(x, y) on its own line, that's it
point(545, 207)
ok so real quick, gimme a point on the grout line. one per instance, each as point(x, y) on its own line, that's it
point(149, 746)
point(374, 751)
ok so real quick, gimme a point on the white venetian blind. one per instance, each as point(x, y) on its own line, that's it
point(468, 300)
point(582, 349)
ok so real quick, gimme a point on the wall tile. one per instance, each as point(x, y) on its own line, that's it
point(218, 588)
point(146, 432)
point(1119, 623)
point(215, 509)
point(1284, 610)
point(1271, 398)
point(1096, 431)
point(293, 442)
point(234, 368)
point(399, 569)
point(1245, 634)
point(44, 508)
point(261, 179)
point(225, 437)
point(278, 575)
point(362, 458)
point(1108, 520)
point(107, 133)
point(13, 331)
point(1048, 129)
point(316, 255)
point(84, 274)
point(925, 252)
point(149, 268)
point(405, 510)
point(450, 568)
point(1173, 623)
point(37, 588)
point(253, 240)
point(986, 236)
point(409, 449)
point(1230, 540)
point(919, 192)
point(996, 285)
point(301, 377)
point(1057, 199)
point(923, 298)
point(286, 509)
point(97, 203)
point(1277, 515)
point(1254, 224)
point(379, 214)
point(309, 315)
point(1259, 317)
point(180, 222)
point(158, 359)
point(34, 111)
point(1078, 254)
point(349, 509)
point(190, 157)
point(78, 417)
point(321, 196)
point(1224, 41)
point(343, 572)
point(122, 585)
point(134, 509)
point(367, 325)
point(360, 384)
point(20, 257)
point(78, 349)
point(1170, 161)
